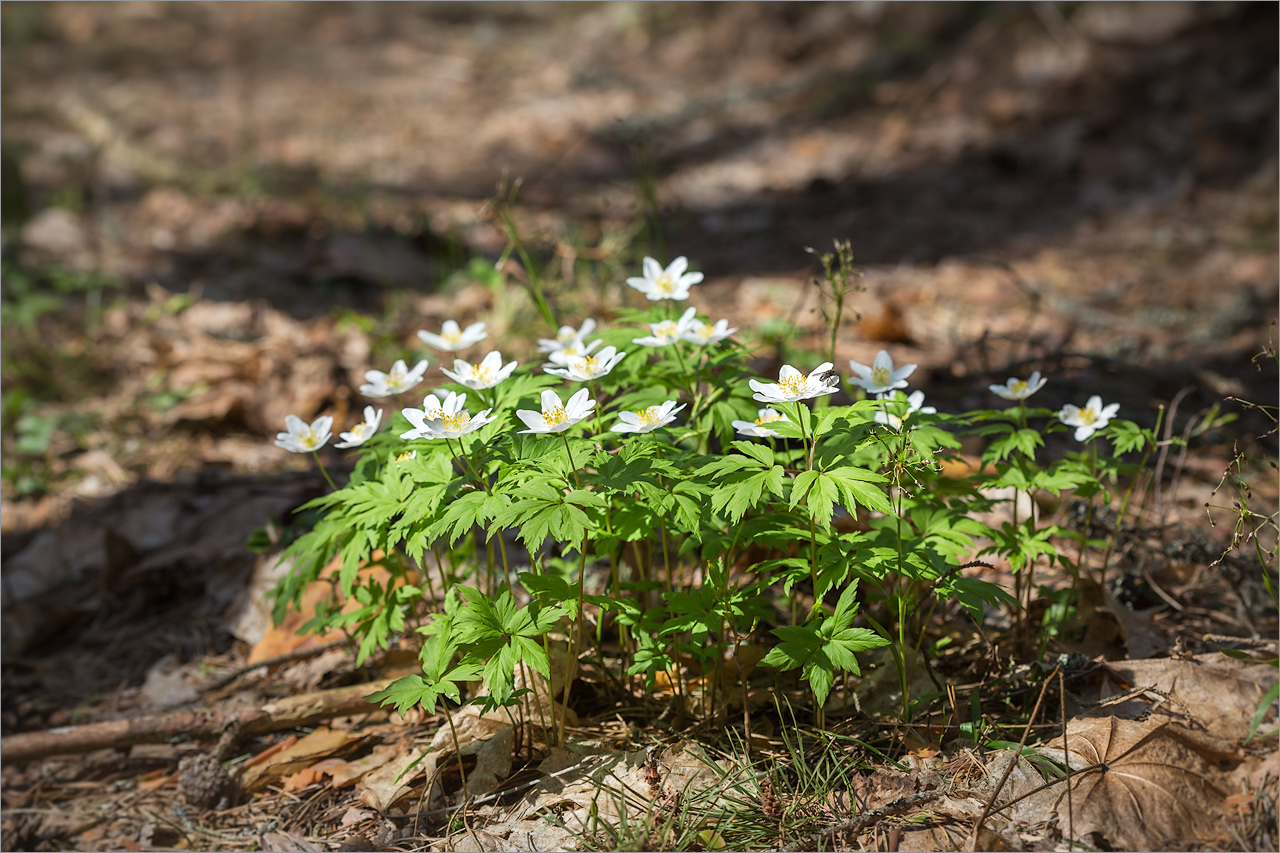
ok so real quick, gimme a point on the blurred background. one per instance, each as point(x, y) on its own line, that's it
point(216, 214)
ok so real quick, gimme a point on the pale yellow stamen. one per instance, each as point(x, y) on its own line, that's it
point(554, 416)
point(455, 423)
point(1088, 416)
point(357, 431)
point(395, 380)
point(664, 284)
point(881, 375)
point(309, 440)
point(1017, 386)
point(793, 386)
point(650, 416)
point(481, 374)
point(665, 329)
point(768, 419)
point(406, 456)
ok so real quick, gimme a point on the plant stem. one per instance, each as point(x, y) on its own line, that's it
point(327, 479)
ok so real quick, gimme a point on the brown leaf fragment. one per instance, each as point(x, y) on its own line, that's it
point(1138, 785)
point(1210, 692)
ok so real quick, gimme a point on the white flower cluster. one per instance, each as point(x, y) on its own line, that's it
point(571, 356)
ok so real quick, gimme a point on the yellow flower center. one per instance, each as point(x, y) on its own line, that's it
point(1017, 386)
point(587, 365)
point(769, 418)
point(793, 386)
point(309, 439)
point(566, 334)
point(881, 375)
point(395, 379)
point(650, 416)
point(703, 330)
point(455, 423)
point(357, 431)
point(452, 338)
point(665, 329)
point(554, 416)
point(479, 373)
point(664, 284)
point(406, 456)
point(1088, 416)
point(572, 349)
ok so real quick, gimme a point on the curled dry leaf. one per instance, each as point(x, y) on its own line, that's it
point(1213, 691)
point(1144, 785)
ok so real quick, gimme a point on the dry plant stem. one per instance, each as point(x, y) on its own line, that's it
point(298, 654)
point(864, 820)
point(305, 710)
point(1062, 712)
point(1026, 731)
point(462, 806)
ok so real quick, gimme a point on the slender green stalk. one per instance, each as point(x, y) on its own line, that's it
point(327, 479)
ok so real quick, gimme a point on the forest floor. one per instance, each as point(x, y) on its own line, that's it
point(219, 214)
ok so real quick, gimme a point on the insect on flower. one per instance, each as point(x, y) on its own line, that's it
point(792, 385)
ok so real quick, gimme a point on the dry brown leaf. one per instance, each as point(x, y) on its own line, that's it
point(381, 787)
point(1213, 691)
point(1151, 789)
point(323, 741)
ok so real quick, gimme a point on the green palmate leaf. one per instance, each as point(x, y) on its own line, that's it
point(743, 491)
point(1024, 441)
point(761, 453)
point(499, 635)
point(1127, 436)
point(857, 488)
point(822, 647)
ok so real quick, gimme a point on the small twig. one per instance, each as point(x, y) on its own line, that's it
point(864, 820)
point(297, 654)
point(1022, 742)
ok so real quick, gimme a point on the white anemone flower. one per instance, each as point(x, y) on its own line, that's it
point(758, 428)
point(670, 283)
point(1093, 417)
point(647, 420)
point(587, 368)
point(574, 349)
point(668, 331)
point(363, 431)
point(452, 338)
point(915, 403)
point(395, 381)
point(880, 377)
point(488, 373)
point(566, 336)
point(704, 333)
point(556, 416)
point(793, 385)
point(449, 420)
point(301, 438)
point(1019, 389)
